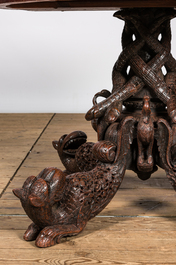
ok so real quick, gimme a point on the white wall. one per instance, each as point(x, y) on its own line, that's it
point(57, 61)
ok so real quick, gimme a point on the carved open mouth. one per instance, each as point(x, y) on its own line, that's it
point(73, 141)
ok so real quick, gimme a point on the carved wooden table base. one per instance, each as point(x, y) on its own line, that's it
point(136, 128)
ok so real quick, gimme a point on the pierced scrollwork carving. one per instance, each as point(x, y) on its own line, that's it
point(136, 129)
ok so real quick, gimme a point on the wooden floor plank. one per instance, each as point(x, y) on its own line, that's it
point(94, 240)
point(20, 222)
point(138, 227)
point(138, 240)
point(18, 132)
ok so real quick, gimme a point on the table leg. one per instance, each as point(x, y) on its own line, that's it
point(136, 129)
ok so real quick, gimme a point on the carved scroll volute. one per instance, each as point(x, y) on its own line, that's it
point(104, 151)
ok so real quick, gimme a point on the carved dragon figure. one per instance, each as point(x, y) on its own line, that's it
point(61, 205)
point(136, 128)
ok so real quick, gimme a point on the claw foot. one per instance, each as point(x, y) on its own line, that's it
point(145, 165)
point(48, 237)
point(32, 232)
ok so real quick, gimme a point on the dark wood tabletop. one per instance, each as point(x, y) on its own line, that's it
point(69, 5)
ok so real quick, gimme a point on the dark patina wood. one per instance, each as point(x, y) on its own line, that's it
point(83, 4)
point(135, 125)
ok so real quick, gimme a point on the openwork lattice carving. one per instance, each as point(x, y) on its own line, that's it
point(136, 128)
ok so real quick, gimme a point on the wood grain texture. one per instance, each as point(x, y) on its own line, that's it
point(117, 241)
point(143, 233)
point(18, 133)
point(72, 5)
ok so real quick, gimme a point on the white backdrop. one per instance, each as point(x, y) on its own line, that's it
point(57, 61)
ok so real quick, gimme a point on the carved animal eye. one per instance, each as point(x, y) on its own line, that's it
point(133, 37)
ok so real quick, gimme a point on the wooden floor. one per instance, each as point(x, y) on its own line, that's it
point(137, 227)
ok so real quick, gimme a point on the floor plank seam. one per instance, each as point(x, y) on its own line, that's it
point(105, 216)
point(28, 153)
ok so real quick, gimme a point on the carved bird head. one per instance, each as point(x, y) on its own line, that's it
point(146, 111)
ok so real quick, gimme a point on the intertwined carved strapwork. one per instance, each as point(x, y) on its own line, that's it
point(138, 69)
point(136, 127)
